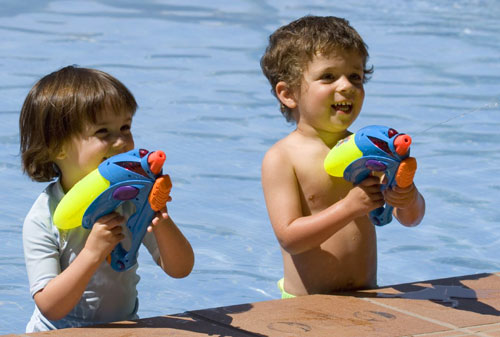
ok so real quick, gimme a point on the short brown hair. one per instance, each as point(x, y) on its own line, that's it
point(292, 46)
point(58, 106)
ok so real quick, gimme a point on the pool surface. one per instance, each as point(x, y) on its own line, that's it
point(194, 70)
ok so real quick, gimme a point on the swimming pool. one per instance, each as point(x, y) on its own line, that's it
point(194, 70)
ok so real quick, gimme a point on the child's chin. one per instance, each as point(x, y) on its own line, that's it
point(345, 119)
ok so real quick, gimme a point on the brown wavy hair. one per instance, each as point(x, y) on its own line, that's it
point(292, 46)
point(58, 106)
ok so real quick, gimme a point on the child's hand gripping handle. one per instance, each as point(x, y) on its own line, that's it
point(402, 176)
point(121, 259)
point(158, 196)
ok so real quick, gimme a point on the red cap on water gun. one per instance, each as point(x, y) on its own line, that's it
point(156, 160)
point(402, 144)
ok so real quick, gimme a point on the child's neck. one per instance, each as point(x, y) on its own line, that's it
point(68, 181)
point(66, 185)
point(327, 137)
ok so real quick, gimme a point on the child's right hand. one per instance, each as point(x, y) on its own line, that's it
point(105, 235)
point(366, 196)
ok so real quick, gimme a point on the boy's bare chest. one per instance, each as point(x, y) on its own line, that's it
point(318, 189)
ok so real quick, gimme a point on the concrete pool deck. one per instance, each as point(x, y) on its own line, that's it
point(459, 306)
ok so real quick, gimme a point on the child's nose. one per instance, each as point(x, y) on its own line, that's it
point(120, 141)
point(344, 85)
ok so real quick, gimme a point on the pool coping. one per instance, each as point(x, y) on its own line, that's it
point(457, 306)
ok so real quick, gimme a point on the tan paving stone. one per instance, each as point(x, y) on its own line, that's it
point(452, 307)
point(321, 315)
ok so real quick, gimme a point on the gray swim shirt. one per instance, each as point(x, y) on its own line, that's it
point(109, 296)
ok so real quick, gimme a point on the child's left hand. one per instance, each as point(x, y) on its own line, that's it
point(401, 197)
point(161, 216)
point(176, 254)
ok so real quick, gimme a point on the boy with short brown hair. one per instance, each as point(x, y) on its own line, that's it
point(317, 68)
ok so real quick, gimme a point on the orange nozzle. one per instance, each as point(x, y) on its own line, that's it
point(156, 160)
point(160, 193)
point(406, 172)
point(402, 144)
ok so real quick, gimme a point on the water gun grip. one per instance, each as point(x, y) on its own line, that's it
point(403, 178)
point(158, 196)
point(160, 193)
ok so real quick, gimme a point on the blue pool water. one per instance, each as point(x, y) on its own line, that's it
point(194, 69)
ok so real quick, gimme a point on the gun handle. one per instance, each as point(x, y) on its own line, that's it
point(403, 178)
point(382, 215)
point(138, 223)
point(160, 193)
point(406, 172)
point(119, 258)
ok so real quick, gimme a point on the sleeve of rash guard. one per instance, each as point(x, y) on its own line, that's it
point(41, 250)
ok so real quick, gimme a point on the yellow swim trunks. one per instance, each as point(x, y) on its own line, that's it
point(281, 287)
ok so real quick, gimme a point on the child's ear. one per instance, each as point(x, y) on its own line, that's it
point(61, 154)
point(285, 95)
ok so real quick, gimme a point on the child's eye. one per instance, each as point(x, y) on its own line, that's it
point(328, 77)
point(101, 132)
point(356, 78)
point(126, 127)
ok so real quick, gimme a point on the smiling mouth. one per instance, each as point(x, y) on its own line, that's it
point(345, 107)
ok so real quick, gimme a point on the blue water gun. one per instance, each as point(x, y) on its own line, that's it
point(374, 148)
point(134, 176)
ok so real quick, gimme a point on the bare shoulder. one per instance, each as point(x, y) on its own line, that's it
point(278, 154)
point(278, 168)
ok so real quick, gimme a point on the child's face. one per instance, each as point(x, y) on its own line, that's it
point(83, 153)
point(331, 93)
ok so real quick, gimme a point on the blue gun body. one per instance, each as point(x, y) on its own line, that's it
point(373, 148)
point(379, 154)
point(131, 179)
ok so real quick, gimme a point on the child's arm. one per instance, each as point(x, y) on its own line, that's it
point(409, 204)
point(64, 291)
point(298, 233)
point(176, 254)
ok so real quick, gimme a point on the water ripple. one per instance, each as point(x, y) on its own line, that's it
point(410, 248)
point(471, 263)
point(227, 177)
